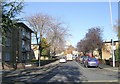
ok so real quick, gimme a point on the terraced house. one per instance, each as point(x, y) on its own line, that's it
point(17, 46)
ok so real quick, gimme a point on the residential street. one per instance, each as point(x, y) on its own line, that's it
point(71, 71)
point(57, 42)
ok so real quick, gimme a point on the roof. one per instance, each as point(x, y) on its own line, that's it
point(25, 26)
point(109, 41)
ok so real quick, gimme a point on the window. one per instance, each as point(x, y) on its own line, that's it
point(23, 56)
point(28, 35)
point(28, 56)
point(28, 46)
point(23, 32)
point(7, 57)
point(8, 41)
point(23, 44)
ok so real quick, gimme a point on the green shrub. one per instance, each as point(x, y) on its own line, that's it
point(117, 54)
point(34, 60)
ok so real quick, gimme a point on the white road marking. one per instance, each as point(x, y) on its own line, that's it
point(101, 81)
point(80, 65)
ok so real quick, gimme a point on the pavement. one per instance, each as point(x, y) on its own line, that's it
point(41, 69)
point(47, 68)
point(108, 67)
point(53, 65)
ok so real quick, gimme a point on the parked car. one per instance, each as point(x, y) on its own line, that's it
point(84, 58)
point(62, 60)
point(81, 58)
point(91, 61)
point(73, 57)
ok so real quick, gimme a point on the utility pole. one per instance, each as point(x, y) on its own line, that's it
point(0, 50)
point(113, 53)
point(113, 48)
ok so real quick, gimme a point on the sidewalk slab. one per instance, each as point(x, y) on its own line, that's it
point(105, 66)
point(48, 66)
point(108, 67)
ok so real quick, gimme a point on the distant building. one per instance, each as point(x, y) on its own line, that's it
point(69, 50)
point(67, 44)
point(17, 46)
point(75, 52)
point(35, 49)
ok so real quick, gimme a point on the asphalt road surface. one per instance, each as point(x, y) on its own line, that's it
point(70, 72)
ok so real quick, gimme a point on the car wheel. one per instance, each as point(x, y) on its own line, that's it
point(86, 66)
point(82, 64)
point(97, 66)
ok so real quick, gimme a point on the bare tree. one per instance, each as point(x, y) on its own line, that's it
point(40, 24)
point(56, 36)
point(52, 29)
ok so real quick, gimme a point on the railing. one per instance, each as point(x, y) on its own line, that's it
point(24, 49)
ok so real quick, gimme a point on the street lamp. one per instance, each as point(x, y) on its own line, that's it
point(112, 39)
point(113, 53)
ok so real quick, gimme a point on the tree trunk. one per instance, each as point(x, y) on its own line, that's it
point(92, 53)
point(54, 51)
point(40, 48)
point(84, 53)
point(36, 37)
point(100, 53)
point(2, 65)
point(38, 45)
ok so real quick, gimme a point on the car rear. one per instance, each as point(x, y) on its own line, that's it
point(93, 62)
point(62, 60)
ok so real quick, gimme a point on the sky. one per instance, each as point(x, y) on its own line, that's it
point(80, 16)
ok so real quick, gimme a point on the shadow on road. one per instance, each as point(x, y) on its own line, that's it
point(61, 74)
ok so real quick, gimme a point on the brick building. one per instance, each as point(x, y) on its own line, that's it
point(17, 45)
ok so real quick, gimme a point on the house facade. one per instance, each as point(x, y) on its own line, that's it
point(24, 43)
point(35, 49)
point(17, 45)
point(107, 49)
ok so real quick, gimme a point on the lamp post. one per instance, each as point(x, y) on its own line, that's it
point(0, 50)
point(113, 53)
point(113, 56)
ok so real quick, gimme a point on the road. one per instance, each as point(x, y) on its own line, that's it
point(71, 72)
